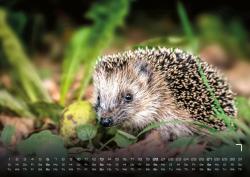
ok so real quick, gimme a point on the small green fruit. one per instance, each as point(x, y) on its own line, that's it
point(76, 114)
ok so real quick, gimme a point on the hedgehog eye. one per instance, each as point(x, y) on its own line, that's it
point(128, 97)
point(98, 100)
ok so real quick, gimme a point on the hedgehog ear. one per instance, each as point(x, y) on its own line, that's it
point(144, 69)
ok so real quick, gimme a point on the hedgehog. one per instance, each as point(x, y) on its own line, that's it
point(137, 88)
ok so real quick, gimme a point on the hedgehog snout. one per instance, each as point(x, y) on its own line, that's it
point(106, 121)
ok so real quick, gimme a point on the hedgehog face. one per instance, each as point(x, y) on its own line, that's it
point(123, 95)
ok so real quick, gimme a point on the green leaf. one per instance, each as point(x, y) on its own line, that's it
point(124, 139)
point(13, 104)
point(7, 134)
point(86, 132)
point(43, 143)
point(151, 126)
point(183, 142)
point(88, 43)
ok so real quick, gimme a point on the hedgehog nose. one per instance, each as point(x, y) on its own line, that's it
point(106, 121)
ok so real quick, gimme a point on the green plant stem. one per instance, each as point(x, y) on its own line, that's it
point(187, 27)
point(105, 144)
point(219, 112)
point(185, 21)
point(108, 148)
point(91, 145)
point(28, 88)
